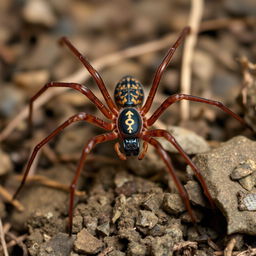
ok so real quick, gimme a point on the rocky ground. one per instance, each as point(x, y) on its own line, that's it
point(127, 207)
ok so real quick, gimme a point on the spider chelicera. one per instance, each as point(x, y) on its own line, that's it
point(128, 122)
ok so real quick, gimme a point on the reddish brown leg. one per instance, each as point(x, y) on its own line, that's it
point(121, 155)
point(177, 97)
point(81, 88)
point(86, 150)
point(79, 117)
point(144, 150)
point(161, 69)
point(95, 75)
point(171, 171)
point(172, 140)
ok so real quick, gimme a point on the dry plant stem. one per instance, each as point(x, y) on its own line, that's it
point(230, 246)
point(196, 13)
point(50, 183)
point(16, 241)
point(249, 252)
point(20, 243)
point(226, 23)
point(3, 239)
point(8, 197)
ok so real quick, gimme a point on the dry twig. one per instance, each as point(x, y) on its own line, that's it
point(8, 197)
point(194, 22)
point(3, 239)
point(230, 246)
point(50, 183)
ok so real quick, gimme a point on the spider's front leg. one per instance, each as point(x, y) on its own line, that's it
point(160, 70)
point(163, 154)
point(95, 75)
point(86, 150)
point(178, 97)
point(172, 140)
point(78, 87)
point(78, 117)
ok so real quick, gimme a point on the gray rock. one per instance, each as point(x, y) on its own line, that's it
point(244, 169)
point(247, 182)
point(136, 249)
point(216, 167)
point(195, 193)
point(153, 201)
point(5, 163)
point(147, 219)
point(246, 201)
point(39, 12)
point(173, 203)
point(87, 243)
point(188, 140)
point(59, 245)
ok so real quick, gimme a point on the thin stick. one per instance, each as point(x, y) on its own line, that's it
point(194, 22)
point(8, 197)
point(49, 183)
point(3, 239)
point(230, 246)
point(20, 243)
point(18, 240)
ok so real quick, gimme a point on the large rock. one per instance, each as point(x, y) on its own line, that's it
point(216, 167)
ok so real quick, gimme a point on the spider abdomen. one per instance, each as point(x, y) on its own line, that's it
point(129, 92)
point(129, 122)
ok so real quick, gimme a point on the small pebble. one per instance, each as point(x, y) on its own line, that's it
point(39, 12)
point(195, 193)
point(136, 249)
point(190, 142)
point(87, 243)
point(244, 169)
point(104, 228)
point(247, 182)
point(5, 163)
point(173, 203)
point(147, 219)
point(32, 80)
point(246, 201)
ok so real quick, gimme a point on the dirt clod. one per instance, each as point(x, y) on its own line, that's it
point(87, 243)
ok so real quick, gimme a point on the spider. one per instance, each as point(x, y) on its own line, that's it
point(128, 122)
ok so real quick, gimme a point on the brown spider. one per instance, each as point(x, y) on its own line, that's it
point(128, 123)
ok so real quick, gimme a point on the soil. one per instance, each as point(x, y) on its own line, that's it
point(129, 207)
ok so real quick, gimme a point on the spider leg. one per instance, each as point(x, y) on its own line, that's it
point(163, 154)
point(121, 155)
point(81, 88)
point(78, 117)
point(86, 150)
point(172, 140)
point(177, 97)
point(95, 75)
point(161, 69)
point(144, 150)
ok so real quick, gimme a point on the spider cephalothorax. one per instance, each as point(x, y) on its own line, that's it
point(128, 122)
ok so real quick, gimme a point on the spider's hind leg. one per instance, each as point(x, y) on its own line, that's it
point(163, 154)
